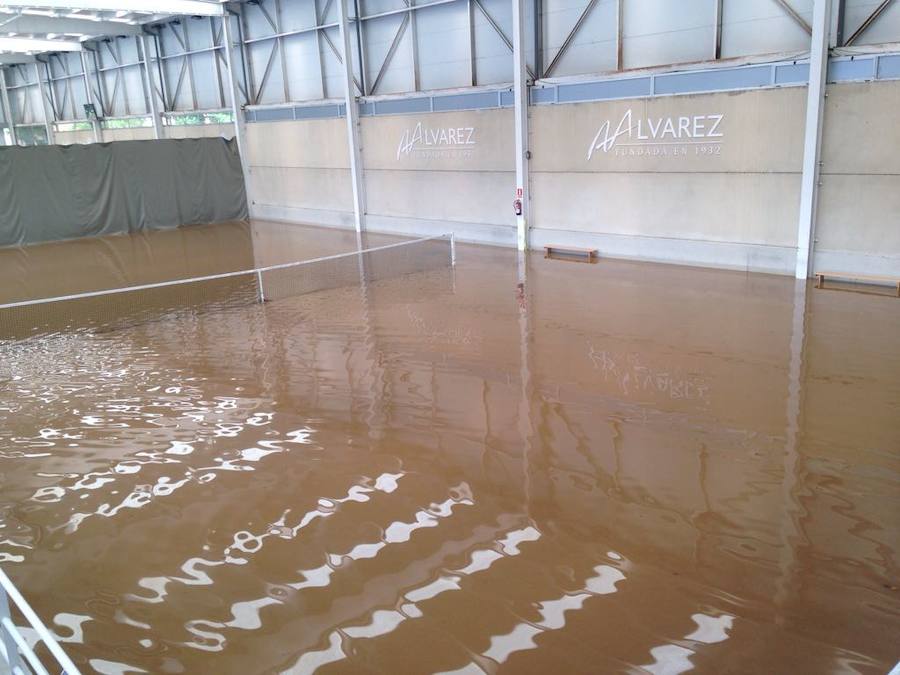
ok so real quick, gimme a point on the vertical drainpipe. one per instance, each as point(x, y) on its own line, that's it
point(48, 119)
point(95, 123)
point(236, 108)
point(520, 94)
point(812, 143)
point(352, 116)
point(7, 110)
point(152, 104)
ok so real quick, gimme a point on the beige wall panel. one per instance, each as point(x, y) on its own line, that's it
point(472, 140)
point(137, 134)
point(474, 197)
point(308, 143)
point(860, 214)
point(73, 137)
point(760, 131)
point(744, 208)
point(325, 189)
point(199, 131)
point(862, 128)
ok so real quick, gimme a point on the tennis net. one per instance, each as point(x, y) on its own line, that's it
point(111, 309)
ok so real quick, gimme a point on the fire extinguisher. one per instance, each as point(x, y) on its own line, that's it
point(517, 207)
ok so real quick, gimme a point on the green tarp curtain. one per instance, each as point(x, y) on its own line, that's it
point(48, 193)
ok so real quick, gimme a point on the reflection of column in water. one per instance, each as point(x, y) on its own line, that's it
point(376, 378)
point(527, 431)
point(791, 528)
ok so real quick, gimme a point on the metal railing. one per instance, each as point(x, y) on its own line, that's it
point(16, 650)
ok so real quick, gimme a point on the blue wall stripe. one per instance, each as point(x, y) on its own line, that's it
point(712, 80)
point(840, 69)
point(851, 69)
point(792, 73)
point(605, 89)
point(481, 99)
point(273, 114)
point(889, 67)
point(401, 105)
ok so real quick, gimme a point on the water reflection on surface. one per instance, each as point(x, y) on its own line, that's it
point(519, 466)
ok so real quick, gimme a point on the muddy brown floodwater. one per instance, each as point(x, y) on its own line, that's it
point(615, 467)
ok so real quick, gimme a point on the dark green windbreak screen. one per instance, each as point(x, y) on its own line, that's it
point(57, 192)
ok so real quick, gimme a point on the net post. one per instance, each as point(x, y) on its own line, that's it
point(262, 294)
point(452, 249)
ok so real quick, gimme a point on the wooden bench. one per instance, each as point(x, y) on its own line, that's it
point(874, 279)
point(550, 249)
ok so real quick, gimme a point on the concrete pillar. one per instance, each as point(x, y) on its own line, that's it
point(812, 143)
point(89, 96)
point(7, 110)
point(152, 103)
point(48, 118)
point(240, 127)
point(520, 94)
point(353, 135)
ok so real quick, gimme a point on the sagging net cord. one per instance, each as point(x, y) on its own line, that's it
point(257, 271)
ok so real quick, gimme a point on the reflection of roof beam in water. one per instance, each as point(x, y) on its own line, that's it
point(552, 612)
point(384, 621)
point(359, 492)
point(143, 495)
point(195, 576)
point(245, 614)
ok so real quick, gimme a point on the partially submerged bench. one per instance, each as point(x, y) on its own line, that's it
point(589, 253)
point(872, 279)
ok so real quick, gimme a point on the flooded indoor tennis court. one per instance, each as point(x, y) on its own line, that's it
point(510, 464)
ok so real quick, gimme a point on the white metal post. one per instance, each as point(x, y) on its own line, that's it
point(13, 659)
point(7, 110)
point(89, 97)
point(48, 120)
point(353, 135)
point(812, 143)
point(152, 104)
point(236, 108)
point(520, 92)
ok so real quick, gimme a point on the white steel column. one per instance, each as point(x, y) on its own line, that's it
point(520, 93)
point(812, 143)
point(236, 108)
point(152, 104)
point(7, 110)
point(356, 171)
point(89, 95)
point(48, 120)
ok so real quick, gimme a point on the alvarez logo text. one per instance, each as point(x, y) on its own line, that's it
point(440, 140)
point(659, 136)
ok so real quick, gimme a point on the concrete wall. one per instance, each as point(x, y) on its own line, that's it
point(300, 171)
point(719, 187)
point(198, 131)
point(441, 172)
point(74, 137)
point(145, 133)
point(134, 134)
point(859, 201)
point(704, 179)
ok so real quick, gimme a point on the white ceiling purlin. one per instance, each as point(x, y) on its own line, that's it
point(42, 25)
point(13, 59)
point(182, 7)
point(32, 45)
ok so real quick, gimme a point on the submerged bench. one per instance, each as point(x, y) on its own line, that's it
point(873, 279)
point(589, 253)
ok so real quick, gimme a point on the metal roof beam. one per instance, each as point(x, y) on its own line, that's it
point(14, 59)
point(183, 7)
point(25, 44)
point(29, 24)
